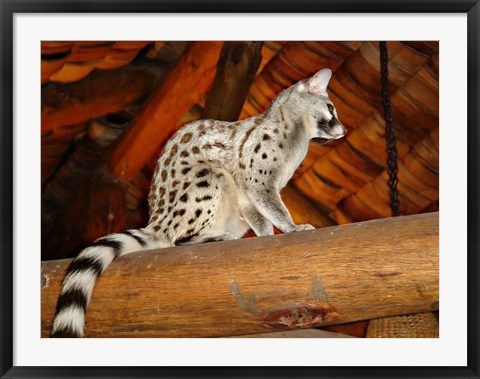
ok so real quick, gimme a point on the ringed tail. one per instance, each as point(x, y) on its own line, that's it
point(83, 271)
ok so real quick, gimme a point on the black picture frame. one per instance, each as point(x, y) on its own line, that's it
point(10, 8)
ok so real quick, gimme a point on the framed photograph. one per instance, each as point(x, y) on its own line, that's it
point(239, 189)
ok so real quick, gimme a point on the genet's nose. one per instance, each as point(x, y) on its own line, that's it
point(341, 131)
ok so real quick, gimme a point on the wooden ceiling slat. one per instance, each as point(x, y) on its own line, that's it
point(416, 114)
point(417, 168)
point(269, 51)
point(319, 190)
point(369, 139)
point(378, 191)
point(427, 150)
point(432, 207)
point(352, 208)
point(315, 151)
point(348, 167)
point(413, 202)
point(416, 184)
point(185, 84)
point(330, 171)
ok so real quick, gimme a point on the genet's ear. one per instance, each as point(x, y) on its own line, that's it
point(318, 83)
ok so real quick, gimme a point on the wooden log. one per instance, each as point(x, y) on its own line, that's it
point(301, 280)
point(184, 85)
point(101, 93)
point(236, 68)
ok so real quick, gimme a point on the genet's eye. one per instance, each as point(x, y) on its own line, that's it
point(330, 108)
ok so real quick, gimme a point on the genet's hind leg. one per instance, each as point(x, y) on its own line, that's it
point(214, 205)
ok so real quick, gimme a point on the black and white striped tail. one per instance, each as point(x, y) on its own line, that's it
point(82, 274)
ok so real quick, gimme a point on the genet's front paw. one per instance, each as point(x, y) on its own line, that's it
point(300, 228)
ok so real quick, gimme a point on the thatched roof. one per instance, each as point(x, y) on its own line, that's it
point(109, 107)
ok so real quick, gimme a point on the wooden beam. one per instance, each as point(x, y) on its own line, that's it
point(236, 70)
point(322, 277)
point(183, 87)
point(101, 93)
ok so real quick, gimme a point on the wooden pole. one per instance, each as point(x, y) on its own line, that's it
point(236, 69)
point(322, 277)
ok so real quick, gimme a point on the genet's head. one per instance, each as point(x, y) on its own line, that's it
point(319, 112)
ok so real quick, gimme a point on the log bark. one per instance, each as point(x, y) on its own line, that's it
point(322, 277)
point(101, 93)
point(183, 87)
point(236, 70)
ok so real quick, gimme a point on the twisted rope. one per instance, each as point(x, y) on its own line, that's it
point(392, 154)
